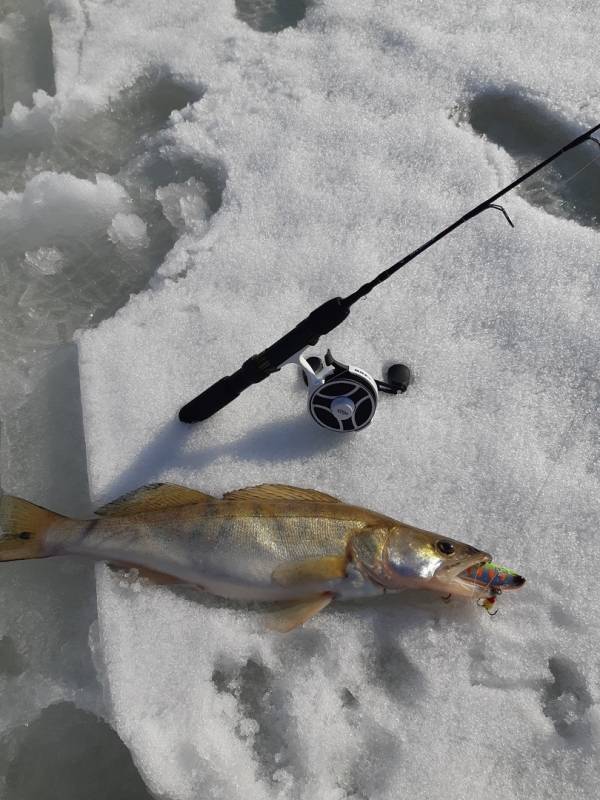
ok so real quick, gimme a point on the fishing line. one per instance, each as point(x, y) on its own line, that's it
point(571, 422)
point(585, 166)
point(550, 472)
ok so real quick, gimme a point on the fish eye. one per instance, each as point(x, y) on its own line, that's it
point(25, 535)
point(445, 547)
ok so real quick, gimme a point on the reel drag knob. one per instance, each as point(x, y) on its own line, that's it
point(398, 377)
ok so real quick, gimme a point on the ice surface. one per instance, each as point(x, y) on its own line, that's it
point(76, 755)
point(73, 247)
point(82, 221)
point(311, 145)
point(26, 54)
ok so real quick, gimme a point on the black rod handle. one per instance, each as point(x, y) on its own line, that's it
point(258, 367)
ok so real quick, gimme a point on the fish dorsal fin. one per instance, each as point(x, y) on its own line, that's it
point(279, 491)
point(154, 497)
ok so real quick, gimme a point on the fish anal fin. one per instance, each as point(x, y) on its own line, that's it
point(313, 570)
point(297, 613)
point(279, 491)
point(158, 578)
point(155, 497)
point(151, 575)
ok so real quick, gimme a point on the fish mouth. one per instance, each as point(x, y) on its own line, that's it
point(451, 572)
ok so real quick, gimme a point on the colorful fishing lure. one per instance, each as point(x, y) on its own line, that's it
point(493, 576)
point(495, 579)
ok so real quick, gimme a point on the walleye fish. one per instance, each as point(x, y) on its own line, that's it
point(264, 543)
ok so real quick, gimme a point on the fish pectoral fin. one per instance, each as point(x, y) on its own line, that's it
point(297, 613)
point(313, 570)
point(154, 497)
point(279, 491)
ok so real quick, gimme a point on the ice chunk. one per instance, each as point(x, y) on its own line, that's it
point(53, 233)
point(59, 206)
point(128, 230)
point(185, 205)
point(47, 260)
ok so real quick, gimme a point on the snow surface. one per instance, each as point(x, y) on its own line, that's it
point(244, 162)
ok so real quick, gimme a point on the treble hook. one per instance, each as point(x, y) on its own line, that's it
point(503, 210)
point(488, 604)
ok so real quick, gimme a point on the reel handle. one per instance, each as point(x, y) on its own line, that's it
point(258, 367)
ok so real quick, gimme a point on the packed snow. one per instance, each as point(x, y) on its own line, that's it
point(180, 184)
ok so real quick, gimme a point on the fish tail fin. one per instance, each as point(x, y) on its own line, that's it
point(22, 528)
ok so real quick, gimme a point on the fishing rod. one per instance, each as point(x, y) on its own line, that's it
point(341, 398)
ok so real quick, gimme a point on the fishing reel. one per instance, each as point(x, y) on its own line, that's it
point(344, 398)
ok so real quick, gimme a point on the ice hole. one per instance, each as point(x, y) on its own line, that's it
point(74, 252)
point(26, 62)
point(67, 754)
point(530, 131)
point(271, 16)
point(11, 661)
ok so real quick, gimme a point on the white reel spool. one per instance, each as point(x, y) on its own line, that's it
point(341, 398)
